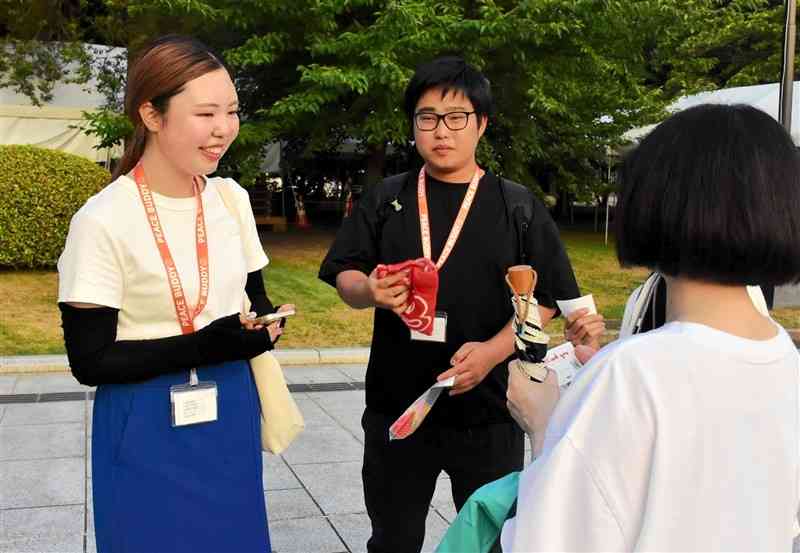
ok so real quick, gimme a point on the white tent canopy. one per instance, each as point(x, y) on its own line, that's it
point(764, 97)
point(54, 125)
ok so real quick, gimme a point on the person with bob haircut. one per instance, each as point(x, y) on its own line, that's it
point(152, 281)
point(468, 433)
point(686, 437)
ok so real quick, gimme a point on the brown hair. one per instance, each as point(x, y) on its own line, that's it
point(159, 72)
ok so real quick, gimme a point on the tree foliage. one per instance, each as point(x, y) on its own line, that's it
point(727, 43)
point(569, 77)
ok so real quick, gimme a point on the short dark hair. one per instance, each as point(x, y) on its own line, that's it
point(450, 73)
point(713, 194)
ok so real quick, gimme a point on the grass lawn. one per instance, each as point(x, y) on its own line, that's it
point(30, 322)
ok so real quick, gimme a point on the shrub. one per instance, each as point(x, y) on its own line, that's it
point(40, 191)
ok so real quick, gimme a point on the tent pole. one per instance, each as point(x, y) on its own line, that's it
point(787, 68)
point(790, 294)
point(608, 196)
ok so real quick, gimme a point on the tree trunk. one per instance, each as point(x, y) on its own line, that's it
point(376, 161)
point(70, 9)
point(565, 203)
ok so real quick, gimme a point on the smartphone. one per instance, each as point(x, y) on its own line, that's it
point(272, 317)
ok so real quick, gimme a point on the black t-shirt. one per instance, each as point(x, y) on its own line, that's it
point(472, 289)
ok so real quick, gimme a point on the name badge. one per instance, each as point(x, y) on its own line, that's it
point(439, 333)
point(193, 404)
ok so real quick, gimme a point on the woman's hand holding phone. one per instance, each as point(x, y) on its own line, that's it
point(273, 322)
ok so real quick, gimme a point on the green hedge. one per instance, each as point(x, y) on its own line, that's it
point(40, 191)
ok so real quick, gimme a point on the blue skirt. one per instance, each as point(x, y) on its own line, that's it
point(193, 488)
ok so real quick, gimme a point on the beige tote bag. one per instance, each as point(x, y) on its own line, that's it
point(281, 420)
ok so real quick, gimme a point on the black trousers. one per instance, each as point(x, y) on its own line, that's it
point(400, 476)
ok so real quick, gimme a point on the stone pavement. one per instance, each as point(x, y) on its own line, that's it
point(313, 491)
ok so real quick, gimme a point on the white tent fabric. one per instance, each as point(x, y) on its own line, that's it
point(49, 127)
point(764, 97)
point(55, 125)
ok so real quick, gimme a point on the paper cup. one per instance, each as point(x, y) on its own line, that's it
point(568, 307)
point(521, 278)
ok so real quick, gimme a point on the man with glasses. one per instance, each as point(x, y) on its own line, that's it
point(456, 215)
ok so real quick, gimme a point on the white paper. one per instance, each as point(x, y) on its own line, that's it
point(563, 362)
point(567, 307)
point(446, 383)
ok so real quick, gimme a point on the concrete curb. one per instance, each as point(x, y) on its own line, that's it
point(34, 364)
point(27, 364)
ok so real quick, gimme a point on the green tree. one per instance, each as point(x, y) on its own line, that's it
point(726, 43)
point(569, 77)
point(38, 42)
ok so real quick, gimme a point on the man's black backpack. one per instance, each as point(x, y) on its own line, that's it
point(518, 201)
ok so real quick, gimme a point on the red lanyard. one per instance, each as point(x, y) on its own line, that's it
point(458, 224)
point(186, 315)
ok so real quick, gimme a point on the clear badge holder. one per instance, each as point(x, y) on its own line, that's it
point(193, 403)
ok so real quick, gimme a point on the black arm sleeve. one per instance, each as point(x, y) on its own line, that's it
point(257, 294)
point(547, 255)
point(96, 357)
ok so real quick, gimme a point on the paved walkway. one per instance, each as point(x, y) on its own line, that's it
point(313, 491)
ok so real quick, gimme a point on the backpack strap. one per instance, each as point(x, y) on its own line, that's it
point(639, 303)
point(386, 199)
point(226, 194)
point(519, 209)
point(388, 191)
point(518, 201)
point(655, 314)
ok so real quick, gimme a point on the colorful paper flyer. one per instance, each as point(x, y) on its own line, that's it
point(412, 417)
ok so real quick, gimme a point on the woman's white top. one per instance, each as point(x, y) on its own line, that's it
point(110, 257)
point(684, 438)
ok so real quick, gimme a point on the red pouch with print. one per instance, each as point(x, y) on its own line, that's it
point(424, 286)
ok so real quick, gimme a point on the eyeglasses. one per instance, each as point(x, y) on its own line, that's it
point(454, 120)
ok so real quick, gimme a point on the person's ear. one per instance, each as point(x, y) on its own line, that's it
point(151, 117)
point(483, 122)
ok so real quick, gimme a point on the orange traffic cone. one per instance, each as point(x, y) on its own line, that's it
point(348, 205)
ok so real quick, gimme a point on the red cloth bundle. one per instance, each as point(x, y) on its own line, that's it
point(424, 286)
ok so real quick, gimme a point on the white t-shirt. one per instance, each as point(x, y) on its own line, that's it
point(110, 257)
point(684, 438)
